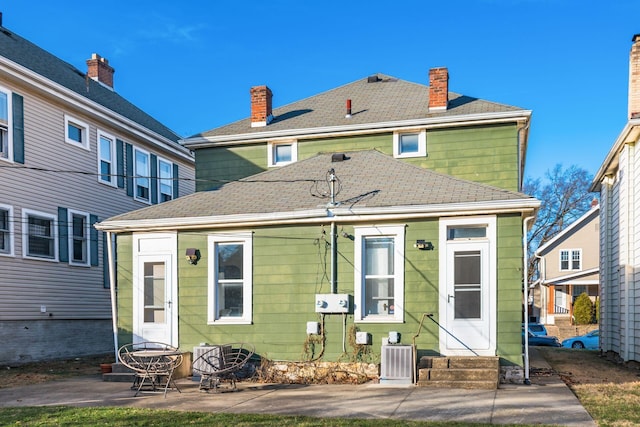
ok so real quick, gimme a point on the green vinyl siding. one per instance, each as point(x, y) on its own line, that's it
point(510, 297)
point(486, 154)
point(215, 166)
point(124, 280)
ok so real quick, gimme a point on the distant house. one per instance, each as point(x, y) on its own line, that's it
point(617, 182)
point(568, 265)
point(368, 207)
point(72, 152)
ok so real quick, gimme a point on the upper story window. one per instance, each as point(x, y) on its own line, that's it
point(570, 259)
point(5, 126)
point(6, 230)
point(165, 182)
point(76, 132)
point(410, 143)
point(282, 153)
point(230, 278)
point(39, 237)
point(106, 158)
point(142, 174)
point(78, 238)
point(379, 274)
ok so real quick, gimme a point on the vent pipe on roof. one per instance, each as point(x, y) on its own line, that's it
point(348, 115)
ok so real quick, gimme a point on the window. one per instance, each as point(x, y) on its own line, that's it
point(410, 144)
point(282, 153)
point(230, 278)
point(379, 274)
point(6, 230)
point(106, 158)
point(39, 235)
point(5, 126)
point(142, 173)
point(165, 175)
point(76, 132)
point(78, 238)
point(570, 259)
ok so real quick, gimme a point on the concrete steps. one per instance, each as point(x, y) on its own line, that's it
point(472, 372)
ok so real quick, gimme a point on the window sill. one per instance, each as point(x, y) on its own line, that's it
point(230, 322)
point(379, 320)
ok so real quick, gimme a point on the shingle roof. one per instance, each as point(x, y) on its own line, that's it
point(386, 100)
point(366, 179)
point(38, 60)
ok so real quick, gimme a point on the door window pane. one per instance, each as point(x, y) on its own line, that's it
point(467, 285)
point(154, 292)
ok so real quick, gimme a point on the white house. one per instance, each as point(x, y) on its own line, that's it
point(618, 181)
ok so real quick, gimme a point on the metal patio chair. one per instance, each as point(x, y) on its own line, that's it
point(153, 364)
point(221, 363)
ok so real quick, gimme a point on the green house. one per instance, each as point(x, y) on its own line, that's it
point(383, 206)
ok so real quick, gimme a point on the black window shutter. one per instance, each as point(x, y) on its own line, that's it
point(153, 182)
point(129, 168)
point(18, 128)
point(63, 235)
point(93, 235)
point(176, 193)
point(105, 261)
point(120, 162)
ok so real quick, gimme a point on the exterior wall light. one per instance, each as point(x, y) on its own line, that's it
point(423, 245)
point(193, 255)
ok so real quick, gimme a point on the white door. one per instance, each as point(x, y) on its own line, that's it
point(467, 302)
point(154, 299)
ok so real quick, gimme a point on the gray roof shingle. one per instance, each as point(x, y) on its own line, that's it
point(38, 60)
point(388, 99)
point(366, 179)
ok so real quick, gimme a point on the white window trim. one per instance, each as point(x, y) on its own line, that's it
point(70, 214)
point(112, 179)
point(9, 209)
point(246, 239)
point(147, 174)
point(422, 143)
point(83, 127)
point(398, 233)
point(26, 213)
point(9, 94)
point(271, 146)
point(160, 159)
point(570, 260)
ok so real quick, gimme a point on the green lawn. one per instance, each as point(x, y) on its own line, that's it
point(67, 416)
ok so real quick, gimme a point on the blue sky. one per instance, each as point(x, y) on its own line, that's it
point(190, 64)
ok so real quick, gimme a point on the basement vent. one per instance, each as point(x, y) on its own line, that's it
point(397, 364)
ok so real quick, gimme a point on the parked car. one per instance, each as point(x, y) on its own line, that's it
point(537, 328)
point(590, 341)
point(545, 340)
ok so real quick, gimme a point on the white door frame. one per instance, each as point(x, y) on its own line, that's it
point(487, 245)
point(152, 247)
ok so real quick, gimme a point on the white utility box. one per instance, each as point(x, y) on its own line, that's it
point(333, 303)
point(363, 338)
point(313, 328)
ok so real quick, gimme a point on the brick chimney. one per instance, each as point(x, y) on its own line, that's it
point(438, 89)
point(98, 69)
point(634, 78)
point(261, 114)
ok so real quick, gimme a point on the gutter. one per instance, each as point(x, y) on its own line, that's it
point(630, 133)
point(355, 129)
point(315, 216)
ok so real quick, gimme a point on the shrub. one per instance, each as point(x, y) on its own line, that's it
point(583, 309)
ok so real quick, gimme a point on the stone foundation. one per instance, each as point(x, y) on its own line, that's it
point(318, 372)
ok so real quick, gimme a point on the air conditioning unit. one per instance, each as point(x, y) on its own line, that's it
point(397, 364)
point(200, 365)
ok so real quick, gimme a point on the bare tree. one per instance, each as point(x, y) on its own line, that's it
point(564, 197)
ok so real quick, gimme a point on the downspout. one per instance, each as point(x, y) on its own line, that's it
point(112, 289)
point(525, 289)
